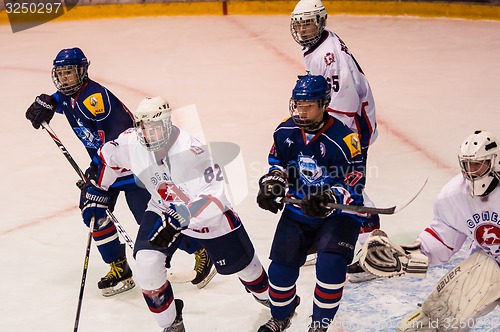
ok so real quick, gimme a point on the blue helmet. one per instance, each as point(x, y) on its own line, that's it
point(313, 88)
point(70, 70)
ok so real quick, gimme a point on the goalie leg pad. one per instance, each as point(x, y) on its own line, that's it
point(468, 291)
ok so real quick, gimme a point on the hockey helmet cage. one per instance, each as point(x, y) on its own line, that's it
point(307, 22)
point(70, 70)
point(153, 122)
point(479, 162)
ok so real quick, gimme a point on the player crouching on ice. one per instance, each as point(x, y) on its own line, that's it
point(187, 199)
point(468, 206)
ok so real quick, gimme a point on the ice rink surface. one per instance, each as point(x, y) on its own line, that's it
point(435, 81)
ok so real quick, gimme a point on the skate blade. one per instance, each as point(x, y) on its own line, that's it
point(121, 287)
point(209, 277)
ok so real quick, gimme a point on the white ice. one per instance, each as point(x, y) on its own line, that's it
point(435, 81)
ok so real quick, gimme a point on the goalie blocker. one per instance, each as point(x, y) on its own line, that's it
point(383, 258)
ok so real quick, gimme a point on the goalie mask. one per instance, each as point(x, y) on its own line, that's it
point(479, 160)
point(310, 97)
point(70, 70)
point(308, 22)
point(153, 122)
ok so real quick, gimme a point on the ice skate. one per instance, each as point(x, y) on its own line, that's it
point(275, 325)
point(118, 280)
point(265, 303)
point(178, 324)
point(204, 268)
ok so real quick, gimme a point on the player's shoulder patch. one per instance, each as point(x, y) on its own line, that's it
point(353, 143)
point(285, 120)
point(95, 103)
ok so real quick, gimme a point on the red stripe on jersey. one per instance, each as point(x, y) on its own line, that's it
point(434, 235)
point(350, 114)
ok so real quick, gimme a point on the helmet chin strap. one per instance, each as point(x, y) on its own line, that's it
point(319, 125)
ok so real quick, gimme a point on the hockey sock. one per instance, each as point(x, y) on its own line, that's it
point(282, 290)
point(254, 278)
point(331, 271)
point(161, 303)
point(107, 241)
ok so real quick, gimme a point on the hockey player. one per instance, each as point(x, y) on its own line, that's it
point(97, 116)
point(467, 207)
point(316, 157)
point(188, 199)
point(351, 96)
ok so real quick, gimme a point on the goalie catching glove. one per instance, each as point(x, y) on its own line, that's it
point(168, 227)
point(384, 258)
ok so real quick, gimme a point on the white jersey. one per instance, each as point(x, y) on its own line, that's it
point(458, 216)
point(352, 99)
point(185, 175)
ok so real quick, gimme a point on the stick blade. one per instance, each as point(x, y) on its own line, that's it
point(401, 206)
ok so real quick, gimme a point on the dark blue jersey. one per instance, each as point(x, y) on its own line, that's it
point(329, 159)
point(95, 115)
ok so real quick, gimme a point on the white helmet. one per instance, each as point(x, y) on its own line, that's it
point(153, 122)
point(308, 22)
point(479, 160)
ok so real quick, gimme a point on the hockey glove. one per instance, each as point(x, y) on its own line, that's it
point(94, 204)
point(90, 175)
point(42, 110)
point(316, 205)
point(384, 258)
point(168, 227)
point(271, 186)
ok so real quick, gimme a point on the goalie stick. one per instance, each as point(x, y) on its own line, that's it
point(181, 278)
point(359, 208)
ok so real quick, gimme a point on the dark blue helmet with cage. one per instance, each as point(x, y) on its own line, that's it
point(313, 88)
point(70, 70)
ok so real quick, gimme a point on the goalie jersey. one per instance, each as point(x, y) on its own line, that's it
point(185, 175)
point(458, 216)
point(329, 159)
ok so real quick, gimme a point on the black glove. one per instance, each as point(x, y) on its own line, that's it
point(168, 227)
point(315, 205)
point(90, 174)
point(271, 186)
point(42, 110)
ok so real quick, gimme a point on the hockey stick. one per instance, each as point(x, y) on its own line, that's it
point(362, 209)
point(84, 276)
point(78, 170)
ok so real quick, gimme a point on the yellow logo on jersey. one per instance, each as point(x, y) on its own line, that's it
point(352, 141)
point(94, 104)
